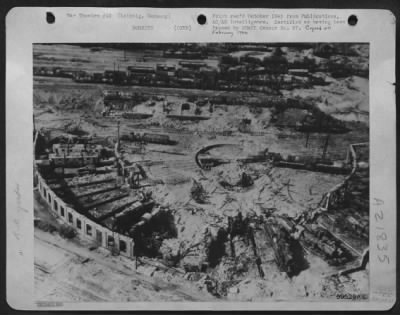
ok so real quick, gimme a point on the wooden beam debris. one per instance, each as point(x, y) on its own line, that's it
point(95, 192)
point(102, 202)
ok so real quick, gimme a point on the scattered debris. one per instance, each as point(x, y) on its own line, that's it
point(198, 193)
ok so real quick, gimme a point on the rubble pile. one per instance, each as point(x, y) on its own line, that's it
point(150, 235)
point(198, 193)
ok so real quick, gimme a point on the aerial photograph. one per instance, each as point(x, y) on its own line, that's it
point(222, 172)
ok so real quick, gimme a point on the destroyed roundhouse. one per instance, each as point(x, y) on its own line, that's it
point(336, 229)
point(105, 200)
point(101, 198)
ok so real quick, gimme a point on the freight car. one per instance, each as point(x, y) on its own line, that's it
point(150, 138)
point(308, 163)
point(131, 115)
point(158, 138)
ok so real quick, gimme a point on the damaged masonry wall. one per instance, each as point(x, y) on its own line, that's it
point(84, 226)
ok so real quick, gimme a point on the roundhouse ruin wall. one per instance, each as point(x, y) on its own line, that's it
point(336, 193)
point(85, 227)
